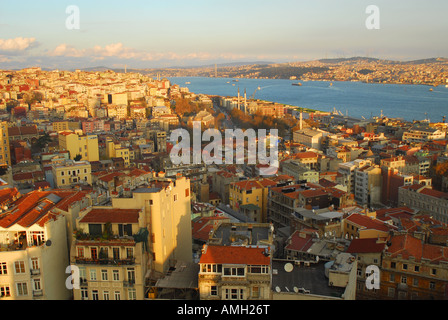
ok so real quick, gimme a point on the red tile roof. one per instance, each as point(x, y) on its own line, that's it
point(103, 215)
point(366, 222)
point(300, 241)
point(407, 246)
point(365, 246)
point(235, 255)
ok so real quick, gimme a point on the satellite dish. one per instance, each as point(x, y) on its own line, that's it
point(277, 288)
point(296, 290)
point(288, 267)
point(48, 243)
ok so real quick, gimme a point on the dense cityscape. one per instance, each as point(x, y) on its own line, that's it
point(93, 207)
point(433, 72)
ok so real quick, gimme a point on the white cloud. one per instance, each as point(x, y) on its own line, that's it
point(118, 50)
point(16, 44)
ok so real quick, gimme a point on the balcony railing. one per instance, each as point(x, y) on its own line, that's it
point(35, 272)
point(115, 262)
point(37, 293)
point(128, 283)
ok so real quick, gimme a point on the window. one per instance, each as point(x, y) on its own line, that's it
point(392, 277)
point(132, 294)
point(93, 253)
point(5, 291)
point(417, 268)
point(258, 269)
point(234, 271)
point(106, 295)
point(433, 272)
point(35, 263)
point(234, 294)
point(116, 275)
point(3, 268)
point(84, 294)
point(213, 290)
point(175, 197)
point(415, 282)
point(131, 275)
point(256, 292)
point(94, 294)
point(187, 192)
point(404, 279)
point(432, 285)
point(22, 289)
point(405, 266)
point(19, 266)
point(393, 265)
point(130, 253)
point(93, 275)
point(116, 253)
point(36, 285)
point(117, 295)
point(104, 276)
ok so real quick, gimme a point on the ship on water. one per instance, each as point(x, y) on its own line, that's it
point(297, 84)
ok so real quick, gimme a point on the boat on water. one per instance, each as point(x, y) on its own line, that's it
point(297, 84)
point(188, 82)
point(431, 89)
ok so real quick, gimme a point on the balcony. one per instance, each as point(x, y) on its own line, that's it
point(129, 283)
point(35, 272)
point(38, 293)
point(113, 262)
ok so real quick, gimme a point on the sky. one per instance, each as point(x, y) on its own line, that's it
point(152, 34)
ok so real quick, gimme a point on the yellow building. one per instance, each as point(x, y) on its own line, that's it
point(70, 172)
point(110, 251)
point(168, 219)
point(64, 126)
point(79, 144)
point(250, 198)
point(5, 156)
point(115, 150)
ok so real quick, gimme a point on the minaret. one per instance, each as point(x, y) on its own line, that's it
point(238, 105)
point(301, 119)
point(245, 101)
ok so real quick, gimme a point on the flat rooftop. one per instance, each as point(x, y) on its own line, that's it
point(310, 278)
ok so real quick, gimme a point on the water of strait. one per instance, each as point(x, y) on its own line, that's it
point(355, 99)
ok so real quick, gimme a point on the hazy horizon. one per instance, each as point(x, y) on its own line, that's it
point(158, 34)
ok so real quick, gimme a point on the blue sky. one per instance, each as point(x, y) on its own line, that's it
point(196, 32)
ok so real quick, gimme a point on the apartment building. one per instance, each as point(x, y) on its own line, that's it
point(234, 273)
point(70, 172)
point(33, 248)
point(413, 270)
point(236, 262)
point(250, 196)
point(79, 144)
point(423, 133)
point(299, 171)
point(311, 138)
point(423, 197)
point(110, 250)
point(168, 219)
point(368, 185)
point(348, 170)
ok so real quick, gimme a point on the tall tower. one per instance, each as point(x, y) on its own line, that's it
point(245, 101)
point(238, 105)
point(5, 156)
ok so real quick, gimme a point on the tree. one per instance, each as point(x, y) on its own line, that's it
point(78, 157)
